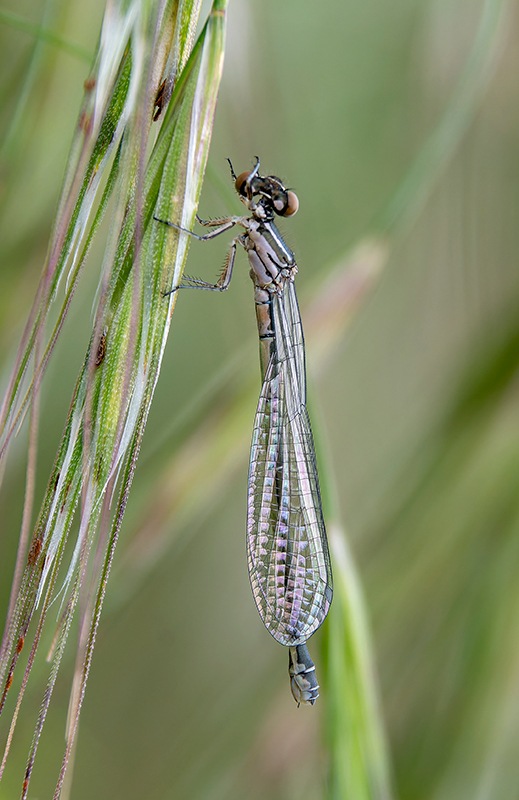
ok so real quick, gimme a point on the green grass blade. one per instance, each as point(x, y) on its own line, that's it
point(113, 396)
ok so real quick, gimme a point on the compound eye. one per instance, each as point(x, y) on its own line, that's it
point(241, 181)
point(292, 204)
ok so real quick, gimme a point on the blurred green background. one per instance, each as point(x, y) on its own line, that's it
point(393, 120)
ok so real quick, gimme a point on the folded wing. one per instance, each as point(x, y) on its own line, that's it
point(289, 563)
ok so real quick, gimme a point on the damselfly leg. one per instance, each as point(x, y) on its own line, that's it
point(223, 224)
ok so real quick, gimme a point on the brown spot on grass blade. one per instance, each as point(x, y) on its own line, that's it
point(159, 101)
point(101, 350)
point(34, 552)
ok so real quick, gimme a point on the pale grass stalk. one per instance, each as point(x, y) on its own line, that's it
point(140, 46)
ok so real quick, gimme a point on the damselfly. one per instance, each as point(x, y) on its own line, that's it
point(288, 558)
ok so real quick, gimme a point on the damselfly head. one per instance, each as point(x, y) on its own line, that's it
point(266, 193)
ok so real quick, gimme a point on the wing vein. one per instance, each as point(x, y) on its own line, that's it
point(289, 563)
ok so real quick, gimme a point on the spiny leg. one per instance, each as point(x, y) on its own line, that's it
point(224, 224)
point(216, 221)
point(223, 281)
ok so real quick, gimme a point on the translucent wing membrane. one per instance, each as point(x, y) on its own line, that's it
point(289, 563)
